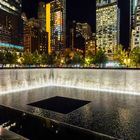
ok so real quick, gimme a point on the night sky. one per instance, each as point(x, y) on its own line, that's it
point(79, 10)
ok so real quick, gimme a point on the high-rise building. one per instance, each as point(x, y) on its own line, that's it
point(84, 29)
point(133, 6)
point(42, 15)
point(35, 39)
point(90, 46)
point(11, 25)
point(77, 36)
point(107, 26)
point(86, 10)
point(135, 40)
point(124, 21)
point(55, 25)
point(80, 33)
point(104, 2)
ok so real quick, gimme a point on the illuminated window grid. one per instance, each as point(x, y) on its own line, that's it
point(107, 28)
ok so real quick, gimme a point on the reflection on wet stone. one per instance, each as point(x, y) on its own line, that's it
point(112, 114)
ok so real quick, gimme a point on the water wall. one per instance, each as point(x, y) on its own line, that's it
point(112, 80)
point(12, 80)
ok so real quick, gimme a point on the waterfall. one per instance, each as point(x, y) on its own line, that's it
point(109, 80)
point(12, 80)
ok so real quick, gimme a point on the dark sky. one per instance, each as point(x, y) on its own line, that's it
point(79, 10)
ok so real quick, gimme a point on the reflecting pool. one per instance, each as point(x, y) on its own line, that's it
point(116, 115)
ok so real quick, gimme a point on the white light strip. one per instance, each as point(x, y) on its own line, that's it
point(99, 90)
point(24, 89)
point(66, 86)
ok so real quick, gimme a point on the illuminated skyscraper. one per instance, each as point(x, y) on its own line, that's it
point(107, 26)
point(123, 21)
point(136, 32)
point(11, 24)
point(134, 5)
point(104, 2)
point(55, 25)
point(133, 11)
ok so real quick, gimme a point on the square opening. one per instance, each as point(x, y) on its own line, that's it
point(60, 104)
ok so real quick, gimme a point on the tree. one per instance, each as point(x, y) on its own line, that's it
point(89, 58)
point(135, 56)
point(44, 59)
point(10, 57)
point(50, 59)
point(36, 58)
point(120, 55)
point(15, 57)
point(77, 59)
point(2, 58)
point(100, 58)
point(27, 58)
point(67, 56)
point(68, 59)
point(58, 58)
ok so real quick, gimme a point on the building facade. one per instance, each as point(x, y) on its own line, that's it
point(11, 24)
point(135, 40)
point(133, 11)
point(56, 25)
point(103, 2)
point(107, 26)
point(78, 35)
point(35, 39)
point(42, 15)
point(84, 29)
point(90, 45)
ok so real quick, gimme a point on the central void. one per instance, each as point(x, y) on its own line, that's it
point(60, 104)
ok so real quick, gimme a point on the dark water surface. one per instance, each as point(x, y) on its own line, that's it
point(117, 115)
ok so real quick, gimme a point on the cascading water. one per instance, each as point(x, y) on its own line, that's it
point(118, 81)
point(12, 80)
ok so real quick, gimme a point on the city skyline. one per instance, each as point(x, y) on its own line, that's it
point(85, 12)
point(55, 28)
point(74, 10)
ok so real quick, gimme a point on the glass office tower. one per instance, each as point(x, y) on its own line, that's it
point(11, 28)
point(56, 25)
point(133, 6)
point(107, 26)
point(136, 31)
